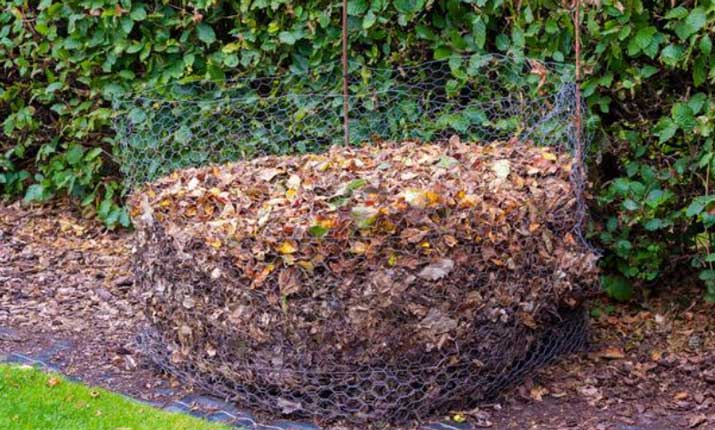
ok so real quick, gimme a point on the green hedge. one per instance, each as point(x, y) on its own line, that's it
point(649, 74)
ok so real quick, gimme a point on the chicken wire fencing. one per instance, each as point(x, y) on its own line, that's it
point(382, 396)
point(482, 99)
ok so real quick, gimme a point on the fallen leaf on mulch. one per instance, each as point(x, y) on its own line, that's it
point(611, 353)
point(537, 392)
point(697, 420)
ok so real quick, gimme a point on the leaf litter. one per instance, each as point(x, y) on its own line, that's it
point(630, 390)
point(374, 256)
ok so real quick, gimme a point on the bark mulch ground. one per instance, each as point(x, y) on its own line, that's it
point(64, 300)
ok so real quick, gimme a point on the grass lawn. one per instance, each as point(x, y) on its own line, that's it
point(34, 400)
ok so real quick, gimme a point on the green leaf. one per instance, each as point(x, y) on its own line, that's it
point(408, 7)
point(699, 71)
point(127, 24)
point(655, 198)
point(654, 224)
point(683, 116)
point(502, 42)
point(665, 129)
point(124, 220)
point(74, 154)
point(356, 184)
point(138, 13)
point(92, 154)
point(617, 287)
point(287, 37)
point(692, 24)
point(369, 20)
point(36, 193)
point(318, 231)
point(698, 204)
point(479, 30)
point(671, 54)
point(357, 7)
point(631, 205)
point(677, 13)
point(53, 87)
point(644, 36)
point(206, 33)
point(624, 246)
point(442, 53)
point(104, 208)
point(697, 101)
point(706, 44)
point(707, 275)
point(137, 116)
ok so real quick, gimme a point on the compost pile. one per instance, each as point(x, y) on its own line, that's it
point(383, 282)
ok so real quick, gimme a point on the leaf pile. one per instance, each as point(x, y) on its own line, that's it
point(404, 254)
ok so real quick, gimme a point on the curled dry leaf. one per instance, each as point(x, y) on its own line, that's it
point(437, 270)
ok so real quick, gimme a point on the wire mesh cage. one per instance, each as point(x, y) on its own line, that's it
point(426, 346)
point(481, 98)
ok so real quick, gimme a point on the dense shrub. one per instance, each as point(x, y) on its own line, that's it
point(649, 74)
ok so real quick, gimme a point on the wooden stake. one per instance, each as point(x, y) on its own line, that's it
point(346, 123)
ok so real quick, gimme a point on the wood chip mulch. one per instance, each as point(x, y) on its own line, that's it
point(64, 284)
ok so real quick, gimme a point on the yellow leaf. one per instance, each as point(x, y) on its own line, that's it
point(307, 265)
point(548, 155)
point(214, 243)
point(432, 197)
point(358, 248)
point(392, 260)
point(322, 167)
point(459, 418)
point(165, 203)
point(325, 222)
point(467, 200)
point(287, 247)
point(214, 191)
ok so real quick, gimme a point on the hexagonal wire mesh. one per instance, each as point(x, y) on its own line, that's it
point(481, 98)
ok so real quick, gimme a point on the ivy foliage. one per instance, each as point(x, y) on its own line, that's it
point(648, 76)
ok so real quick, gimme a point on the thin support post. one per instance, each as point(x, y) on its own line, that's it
point(580, 167)
point(346, 121)
point(577, 52)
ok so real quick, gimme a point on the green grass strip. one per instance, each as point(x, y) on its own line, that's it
point(31, 399)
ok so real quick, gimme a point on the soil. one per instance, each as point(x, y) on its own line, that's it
point(64, 300)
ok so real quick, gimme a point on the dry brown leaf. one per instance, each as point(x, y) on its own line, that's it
point(437, 269)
